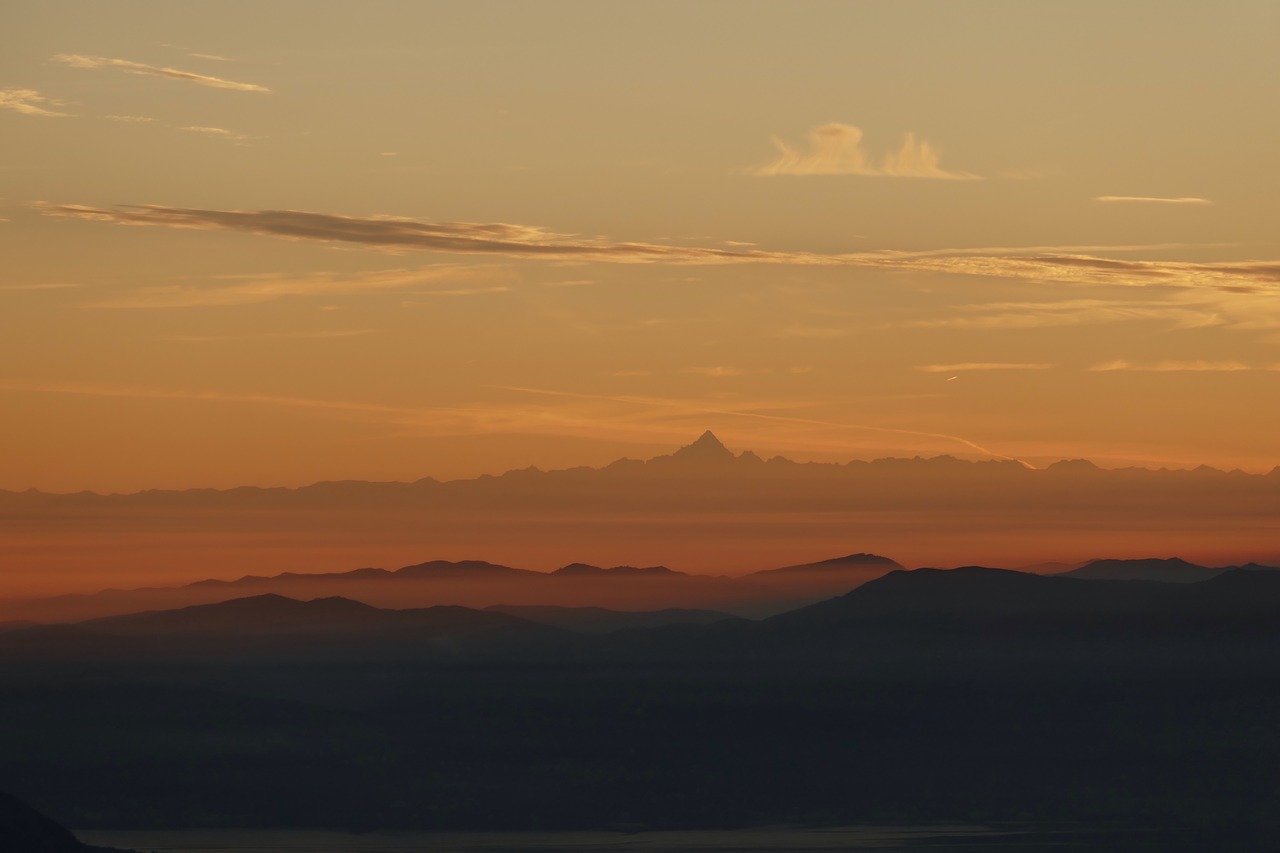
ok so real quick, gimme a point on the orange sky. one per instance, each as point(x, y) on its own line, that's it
point(306, 240)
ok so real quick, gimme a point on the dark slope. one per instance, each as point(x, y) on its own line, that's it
point(273, 627)
point(598, 620)
point(25, 830)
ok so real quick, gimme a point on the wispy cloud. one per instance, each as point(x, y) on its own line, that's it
point(981, 365)
point(716, 371)
point(76, 60)
point(132, 119)
point(210, 56)
point(1141, 199)
point(836, 149)
point(656, 407)
point(1076, 312)
point(535, 411)
point(1038, 263)
point(323, 334)
point(220, 132)
point(29, 102)
point(255, 289)
point(1181, 367)
point(50, 286)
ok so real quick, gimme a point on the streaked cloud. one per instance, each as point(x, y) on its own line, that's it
point(459, 291)
point(132, 119)
point(1180, 367)
point(220, 132)
point(1036, 264)
point(716, 371)
point(29, 102)
point(836, 149)
point(324, 334)
point(210, 56)
point(255, 289)
point(128, 66)
point(49, 286)
point(981, 365)
point(1140, 199)
point(764, 412)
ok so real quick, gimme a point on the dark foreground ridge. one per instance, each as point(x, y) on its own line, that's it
point(973, 695)
point(25, 830)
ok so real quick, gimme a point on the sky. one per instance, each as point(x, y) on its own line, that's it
point(279, 242)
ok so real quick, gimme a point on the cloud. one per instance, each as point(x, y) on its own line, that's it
point(1077, 312)
point(1179, 367)
point(211, 56)
point(552, 412)
point(836, 149)
point(271, 336)
point(981, 365)
point(1036, 264)
point(716, 372)
point(215, 131)
point(76, 60)
point(51, 286)
point(397, 233)
point(131, 119)
point(256, 289)
point(1152, 199)
point(29, 102)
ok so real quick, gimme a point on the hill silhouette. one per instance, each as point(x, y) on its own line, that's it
point(480, 584)
point(25, 830)
point(1170, 570)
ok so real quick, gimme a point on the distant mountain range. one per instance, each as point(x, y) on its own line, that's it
point(701, 506)
point(476, 583)
point(707, 468)
point(627, 596)
point(998, 611)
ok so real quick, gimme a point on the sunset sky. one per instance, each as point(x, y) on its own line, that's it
point(279, 242)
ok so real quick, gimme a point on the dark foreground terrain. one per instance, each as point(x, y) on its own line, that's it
point(974, 695)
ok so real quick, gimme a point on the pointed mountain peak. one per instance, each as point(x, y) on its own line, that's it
point(706, 447)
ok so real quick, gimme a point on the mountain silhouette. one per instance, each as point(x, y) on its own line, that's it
point(275, 627)
point(1171, 570)
point(928, 510)
point(481, 584)
point(25, 830)
point(837, 565)
point(706, 450)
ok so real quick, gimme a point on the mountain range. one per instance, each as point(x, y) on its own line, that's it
point(571, 591)
point(1001, 611)
point(702, 510)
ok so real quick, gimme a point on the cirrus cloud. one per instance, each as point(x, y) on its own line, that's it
point(969, 366)
point(76, 60)
point(1142, 199)
point(29, 102)
point(1036, 263)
